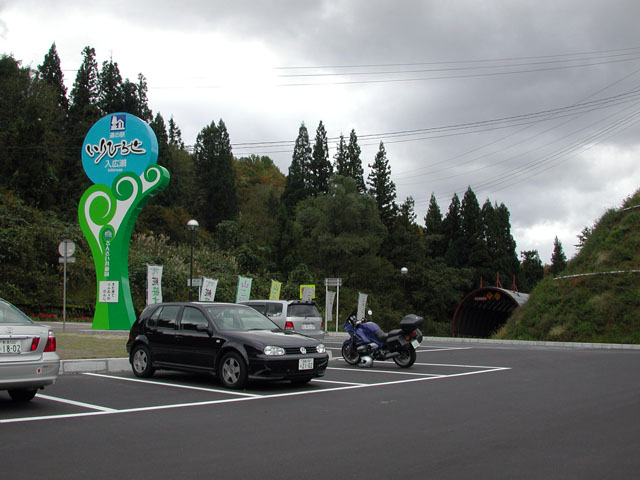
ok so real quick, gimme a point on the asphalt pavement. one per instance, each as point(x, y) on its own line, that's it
point(466, 409)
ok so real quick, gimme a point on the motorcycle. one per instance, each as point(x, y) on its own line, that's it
point(367, 341)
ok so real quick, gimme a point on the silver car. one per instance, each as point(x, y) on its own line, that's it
point(292, 315)
point(28, 358)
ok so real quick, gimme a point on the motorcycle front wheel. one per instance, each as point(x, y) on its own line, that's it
point(350, 354)
point(406, 358)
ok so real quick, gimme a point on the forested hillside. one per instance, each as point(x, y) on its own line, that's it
point(322, 219)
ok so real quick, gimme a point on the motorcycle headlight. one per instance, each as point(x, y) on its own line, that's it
point(271, 350)
point(320, 348)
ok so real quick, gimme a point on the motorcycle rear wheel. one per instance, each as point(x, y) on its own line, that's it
point(406, 358)
point(350, 354)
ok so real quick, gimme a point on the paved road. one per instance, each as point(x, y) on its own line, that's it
point(463, 411)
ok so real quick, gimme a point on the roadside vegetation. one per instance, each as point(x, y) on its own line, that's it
point(601, 306)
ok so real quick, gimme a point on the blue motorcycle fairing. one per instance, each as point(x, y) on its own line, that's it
point(365, 333)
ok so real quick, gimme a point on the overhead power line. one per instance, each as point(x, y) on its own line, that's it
point(473, 127)
point(630, 50)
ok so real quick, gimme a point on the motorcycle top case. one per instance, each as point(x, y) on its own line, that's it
point(410, 322)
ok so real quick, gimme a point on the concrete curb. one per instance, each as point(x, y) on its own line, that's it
point(94, 365)
point(532, 343)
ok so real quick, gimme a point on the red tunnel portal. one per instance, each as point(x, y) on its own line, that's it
point(482, 312)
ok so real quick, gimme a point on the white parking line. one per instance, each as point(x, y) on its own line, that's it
point(241, 396)
point(165, 384)
point(394, 372)
point(248, 397)
point(336, 382)
point(78, 404)
point(439, 349)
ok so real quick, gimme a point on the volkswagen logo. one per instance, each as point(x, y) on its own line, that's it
point(303, 350)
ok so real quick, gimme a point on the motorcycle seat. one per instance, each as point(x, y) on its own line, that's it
point(383, 336)
point(380, 335)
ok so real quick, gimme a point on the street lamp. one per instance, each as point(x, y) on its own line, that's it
point(403, 274)
point(193, 226)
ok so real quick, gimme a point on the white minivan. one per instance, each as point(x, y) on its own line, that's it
point(292, 315)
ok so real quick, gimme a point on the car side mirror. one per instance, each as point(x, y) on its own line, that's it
point(205, 328)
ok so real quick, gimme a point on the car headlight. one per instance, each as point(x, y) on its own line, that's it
point(271, 350)
point(320, 348)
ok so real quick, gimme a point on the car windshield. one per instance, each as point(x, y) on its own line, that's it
point(303, 310)
point(10, 314)
point(235, 317)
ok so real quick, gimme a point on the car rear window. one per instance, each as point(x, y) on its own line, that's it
point(302, 310)
point(10, 314)
point(274, 309)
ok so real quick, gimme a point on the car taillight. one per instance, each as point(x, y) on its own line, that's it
point(51, 343)
point(288, 325)
point(34, 344)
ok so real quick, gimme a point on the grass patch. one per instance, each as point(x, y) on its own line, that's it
point(75, 345)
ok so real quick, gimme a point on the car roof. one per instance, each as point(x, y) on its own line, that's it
point(288, 302)
point(185, 303)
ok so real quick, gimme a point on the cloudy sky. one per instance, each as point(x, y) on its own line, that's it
point(534, 104)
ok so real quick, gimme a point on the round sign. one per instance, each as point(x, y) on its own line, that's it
point(118, 143)
point(66, 248)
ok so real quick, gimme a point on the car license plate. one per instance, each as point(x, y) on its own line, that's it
point(305, 364)
point(308, 326)
point(415, 343)
point(10, 346)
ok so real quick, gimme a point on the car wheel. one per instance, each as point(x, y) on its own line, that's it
point(141, 361)
point(23, 395)
point(232, 371)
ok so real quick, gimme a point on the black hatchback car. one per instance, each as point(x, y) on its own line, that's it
point(234, 342)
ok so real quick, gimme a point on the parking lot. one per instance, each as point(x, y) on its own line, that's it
point(487, 410)
point(100, 394)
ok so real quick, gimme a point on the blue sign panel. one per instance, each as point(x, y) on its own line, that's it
point(118, 143)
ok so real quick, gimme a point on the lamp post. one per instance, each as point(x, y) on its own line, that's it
point(193, 226)
point(403, 274)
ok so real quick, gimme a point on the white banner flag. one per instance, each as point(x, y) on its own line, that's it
point(329, 305)
point(243, 292)
point(154, 284)
point(208, 290)
point(362, 305)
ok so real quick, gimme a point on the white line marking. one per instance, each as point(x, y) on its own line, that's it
point(439, 349)
point(77, 404)
point(248, 397)
point(393, 372)
point(339, 383)
point(173, 385)
point(55, 417)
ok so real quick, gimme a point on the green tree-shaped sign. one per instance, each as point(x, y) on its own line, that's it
point(119, 155)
